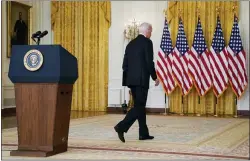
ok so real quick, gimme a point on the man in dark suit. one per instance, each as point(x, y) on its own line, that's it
point(138, 66)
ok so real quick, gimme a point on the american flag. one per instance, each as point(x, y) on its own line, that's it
point(219, 61)
point(199, 65)
point(180, 61)
point(237, 61)
point(164, 62)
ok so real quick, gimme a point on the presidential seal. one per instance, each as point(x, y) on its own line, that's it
point(33, 60)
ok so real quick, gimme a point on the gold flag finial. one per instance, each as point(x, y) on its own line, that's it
point(165, 12)
point(180, 13)
point(198, 9)
point(217, 11)
point(234, 8)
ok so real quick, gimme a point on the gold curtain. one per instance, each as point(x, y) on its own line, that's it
point(188, 12)
point(82, 28)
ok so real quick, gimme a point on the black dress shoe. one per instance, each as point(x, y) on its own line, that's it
point(120, 134)
point(146, 137)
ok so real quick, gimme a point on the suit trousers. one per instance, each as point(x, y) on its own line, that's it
point(138, 112)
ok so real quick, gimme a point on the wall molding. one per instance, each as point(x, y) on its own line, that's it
point(160, 106)
point(241, 113)
point(8, 87)
point(148, 110)
point(9, 102)
point(115, 78)
point(8, 112)
point(115, 96)
point(118, 110)
point(8, 92)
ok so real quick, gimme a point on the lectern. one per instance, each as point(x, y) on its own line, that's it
point(43, 77)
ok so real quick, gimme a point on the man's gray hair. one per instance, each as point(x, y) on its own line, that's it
point(144, 27)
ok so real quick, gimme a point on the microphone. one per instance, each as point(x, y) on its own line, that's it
point(43, 34)
point(35, 35)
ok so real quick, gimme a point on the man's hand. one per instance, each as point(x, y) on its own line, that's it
point(157, 82)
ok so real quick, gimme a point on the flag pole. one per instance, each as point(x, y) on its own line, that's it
point(168, 105)
point(198, 12)
point(216, 114)
point(165, 112)
point(216, 107)
point(236, 99)
point(182, 106)
point(165, 105)
point(236, 107)
point(198, 114)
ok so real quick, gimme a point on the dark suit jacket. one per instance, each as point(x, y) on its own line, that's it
point(21, 30)
point(138, 64)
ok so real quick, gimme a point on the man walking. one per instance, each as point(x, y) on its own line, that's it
point(138, 66)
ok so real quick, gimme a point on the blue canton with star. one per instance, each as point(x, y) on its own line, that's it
point(199, 43)
point(235, 42)
point(166, 42)
point(218, 43)
point(181, 43)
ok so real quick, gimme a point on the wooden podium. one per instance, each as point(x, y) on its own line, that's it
point(43, 76)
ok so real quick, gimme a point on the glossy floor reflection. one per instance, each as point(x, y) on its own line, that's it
point(10, 122)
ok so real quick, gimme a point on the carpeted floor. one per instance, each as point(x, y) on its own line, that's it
point(176, 137)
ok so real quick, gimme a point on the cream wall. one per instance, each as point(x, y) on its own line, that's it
point(244, 32)
point(121, 13)
point(41, 21)
point(152, 11)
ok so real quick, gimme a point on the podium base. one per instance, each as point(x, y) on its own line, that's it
point(33, 153)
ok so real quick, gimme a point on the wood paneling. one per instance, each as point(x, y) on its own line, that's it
point(43, 115)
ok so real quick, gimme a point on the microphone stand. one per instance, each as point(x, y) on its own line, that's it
point(38, 41)
point(124, 104)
